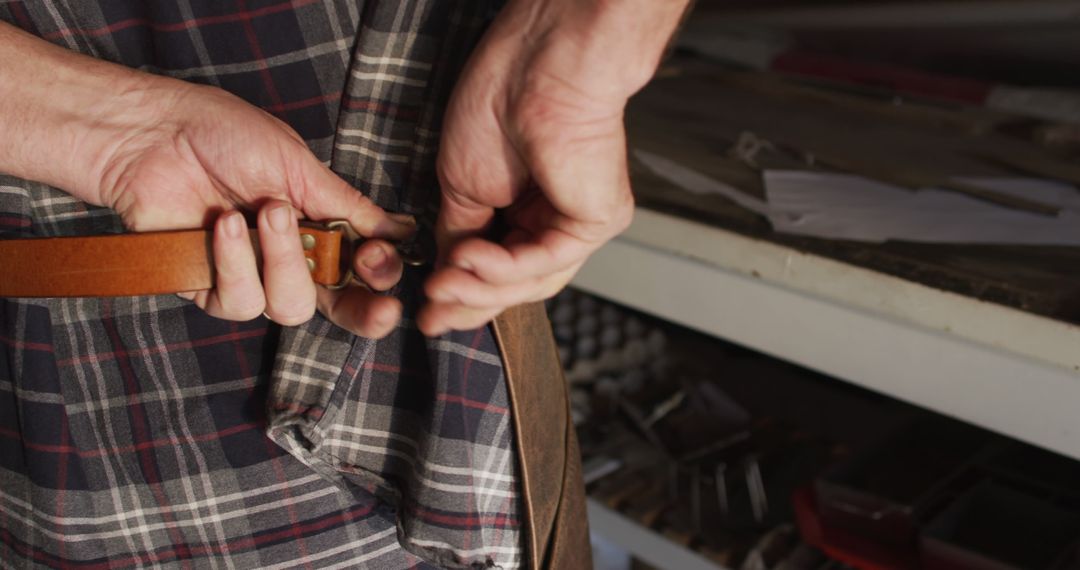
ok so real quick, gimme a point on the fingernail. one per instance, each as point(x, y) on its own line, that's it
point(403, 219)
point(280, 218)
point(234, 225)
point(375, 259)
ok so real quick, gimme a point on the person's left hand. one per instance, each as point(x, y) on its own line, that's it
point(535, 128)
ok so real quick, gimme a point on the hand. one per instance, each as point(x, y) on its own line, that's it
point(167, 154)
point(213, 155)
point(535, 127)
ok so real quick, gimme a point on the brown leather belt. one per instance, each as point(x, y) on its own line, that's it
point(149, 263)
point(168, 262)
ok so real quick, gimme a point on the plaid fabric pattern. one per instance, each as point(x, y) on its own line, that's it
point(140, 432)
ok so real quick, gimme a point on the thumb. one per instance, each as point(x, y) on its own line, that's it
point(460, 217)
point(327, 197)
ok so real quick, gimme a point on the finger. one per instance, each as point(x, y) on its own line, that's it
point(290, 292)
point(459, 218)
point(550, 251)
point(378, 265)
point(360, 311)
point(327, 197)
point(437, 319)
point(238, 293)
point(453, 285)
point(199, 298)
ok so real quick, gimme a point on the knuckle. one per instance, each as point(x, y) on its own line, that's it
point(551, 290)
point(361, 200)
point(290, 314)
point(447, 172)
point(137, 224)
point(364, 213)
point(234, 271)
point(442, 164)
point(359, 204)
point(291, 133)
point(616, 215)
point(241, 290)
point(245, 310)
point(366, 330)
point(285, 262)
point(624, 215)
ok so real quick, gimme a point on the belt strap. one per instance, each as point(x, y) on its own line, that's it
point(137, 264)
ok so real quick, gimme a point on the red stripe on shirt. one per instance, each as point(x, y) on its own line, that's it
point(179, 26)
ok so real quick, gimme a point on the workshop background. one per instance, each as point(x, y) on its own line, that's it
point(842, 330)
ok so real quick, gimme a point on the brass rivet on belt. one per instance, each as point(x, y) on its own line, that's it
point(310, 264)
point(308, 241)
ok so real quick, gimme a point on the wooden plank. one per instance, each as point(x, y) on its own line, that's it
point(693, 117)
point(997, 367)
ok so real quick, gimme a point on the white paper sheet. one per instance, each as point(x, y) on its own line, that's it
point(842, 206)
point(697, 183)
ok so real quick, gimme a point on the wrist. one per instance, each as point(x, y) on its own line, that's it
point(64, 114)
point(610, 48)
point(629, 35)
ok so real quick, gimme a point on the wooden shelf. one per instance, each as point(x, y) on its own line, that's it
point(994, 366)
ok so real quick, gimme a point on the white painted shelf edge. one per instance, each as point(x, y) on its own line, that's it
point(1001, 368)
point(645, 544)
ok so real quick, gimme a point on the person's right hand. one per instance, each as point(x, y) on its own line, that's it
point(167, 154)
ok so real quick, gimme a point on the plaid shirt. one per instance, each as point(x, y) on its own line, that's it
point(141, 432)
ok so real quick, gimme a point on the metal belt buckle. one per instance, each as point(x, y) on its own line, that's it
point(412, 252)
